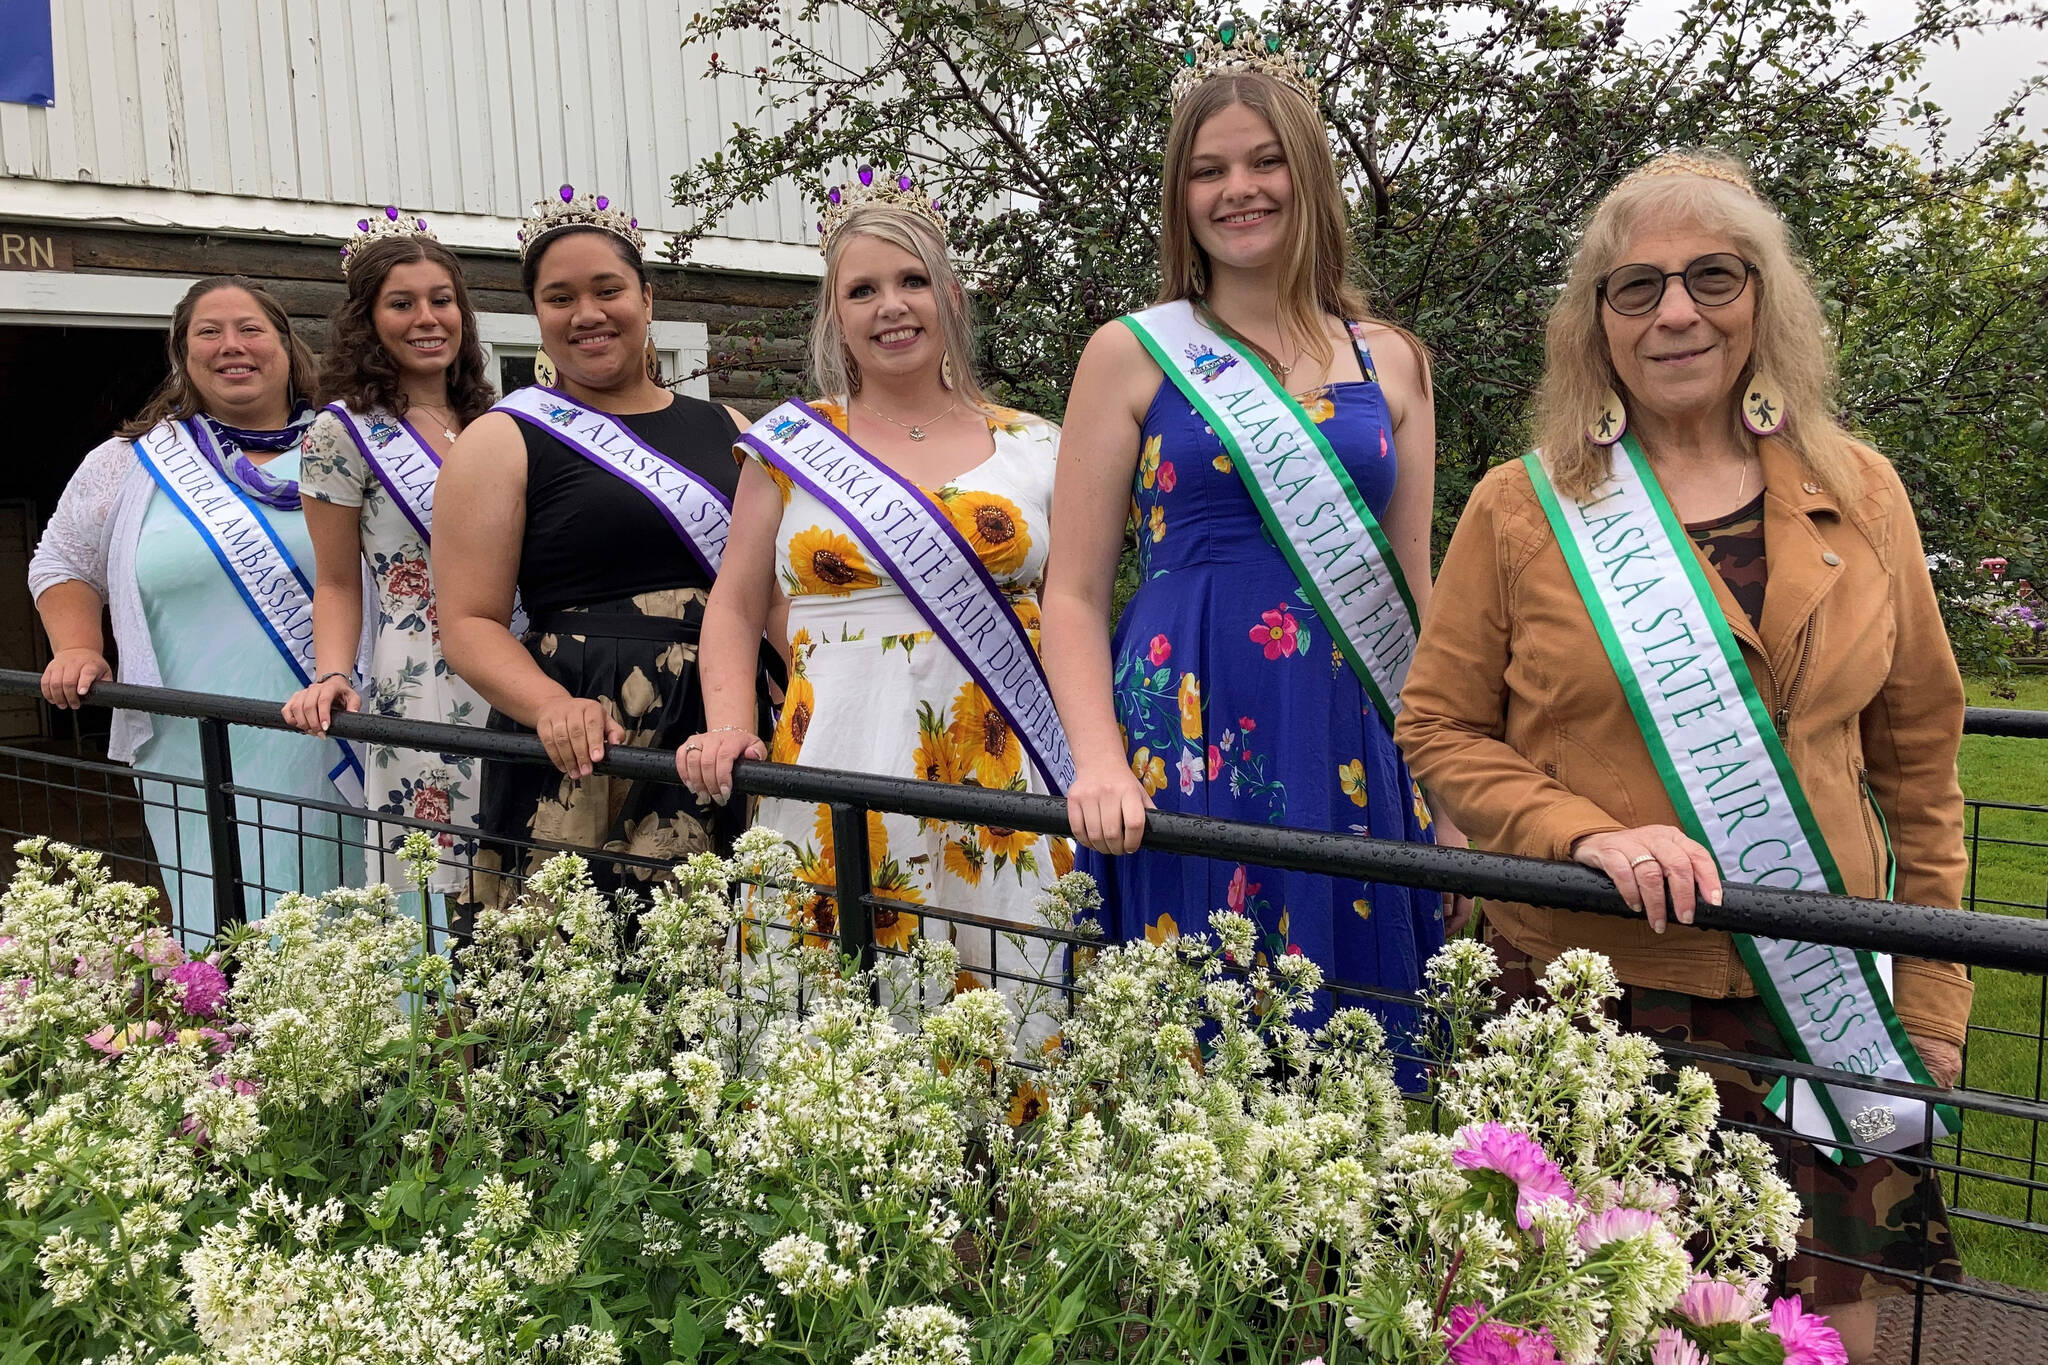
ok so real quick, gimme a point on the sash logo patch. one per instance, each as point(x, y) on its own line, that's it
point(1206, 365)
point(788, 429)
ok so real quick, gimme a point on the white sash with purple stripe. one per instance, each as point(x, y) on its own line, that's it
point(699, 513)
point(187, 468)
point(402, 461)
point(916, 543)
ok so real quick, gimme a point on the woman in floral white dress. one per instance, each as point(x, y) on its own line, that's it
point(403, 373)
point(872, 688)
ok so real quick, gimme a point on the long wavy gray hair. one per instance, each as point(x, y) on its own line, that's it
point(1711, 191)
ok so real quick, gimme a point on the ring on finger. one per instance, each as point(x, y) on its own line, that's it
point(1642, 858)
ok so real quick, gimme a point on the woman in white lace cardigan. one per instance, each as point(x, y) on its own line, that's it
point(186, 525)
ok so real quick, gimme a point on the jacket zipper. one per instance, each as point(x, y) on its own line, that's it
point(1879, 854)
point(1791, 687)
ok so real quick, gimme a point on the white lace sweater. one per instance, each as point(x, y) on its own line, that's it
point(91, 538)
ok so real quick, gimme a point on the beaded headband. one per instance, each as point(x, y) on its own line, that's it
point(566, 209)
point(902, 191)
point(371, 230)
point(1682, 163)
point(1238, 52)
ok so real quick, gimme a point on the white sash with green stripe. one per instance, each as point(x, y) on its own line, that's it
point(1330, 538)
point(1734, 790)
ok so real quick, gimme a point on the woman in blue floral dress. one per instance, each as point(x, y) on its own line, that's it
point(1222, 689)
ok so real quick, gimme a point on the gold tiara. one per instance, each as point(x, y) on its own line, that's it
point(1684, 163)
point(1238, 52)
point(567, 209)
point(861, 191)
point(372, 230)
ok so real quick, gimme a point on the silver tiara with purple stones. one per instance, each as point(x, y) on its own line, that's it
point(861, 191)
point(568, 209)
point(390, 224)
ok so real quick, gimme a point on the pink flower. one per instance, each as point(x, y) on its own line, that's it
point(1190, 772)
point(1708, 1302)
point(1167, 478)
point(1672, 1347)
point(115, 1041)
point(1519, 1157)
point(1215, 762)
point(201, 987)
point(1808, 1338)
point(155, 947)
point(1242, 889)
point(1247, 724)
point(1161, 650)
point(1475, 1339)
point(1615, 1225)
point(1276, 631)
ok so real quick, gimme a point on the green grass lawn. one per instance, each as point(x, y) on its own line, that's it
point(2009, 876)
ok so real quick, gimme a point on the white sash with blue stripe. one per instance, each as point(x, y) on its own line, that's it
point(181, 458)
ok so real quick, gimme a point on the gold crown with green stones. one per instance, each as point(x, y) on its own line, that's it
point(1240, 52)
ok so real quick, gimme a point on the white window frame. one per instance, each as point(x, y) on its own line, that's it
point(683, 347)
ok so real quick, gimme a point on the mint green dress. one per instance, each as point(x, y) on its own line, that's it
point(206, 640)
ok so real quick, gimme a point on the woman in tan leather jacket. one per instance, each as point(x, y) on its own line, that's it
point(1687, 322)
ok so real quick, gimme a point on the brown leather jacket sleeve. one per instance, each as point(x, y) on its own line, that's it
point(1454, 704)
point(1911, 733)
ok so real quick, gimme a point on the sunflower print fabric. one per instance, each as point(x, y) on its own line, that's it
point(873, 690)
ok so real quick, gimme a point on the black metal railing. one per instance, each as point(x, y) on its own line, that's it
point(1996, 1179)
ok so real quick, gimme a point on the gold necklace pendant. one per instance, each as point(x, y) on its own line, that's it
point(917, 433)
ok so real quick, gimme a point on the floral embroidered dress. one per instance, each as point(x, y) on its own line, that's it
point(1235, 703)
point(873, 690)
point(408, 677)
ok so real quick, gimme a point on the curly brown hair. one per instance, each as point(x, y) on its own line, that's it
point(177, 398)
point(359, 373)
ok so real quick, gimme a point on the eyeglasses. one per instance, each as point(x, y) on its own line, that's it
point(1713, 281)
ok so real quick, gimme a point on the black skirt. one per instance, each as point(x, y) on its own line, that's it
point(636, 656)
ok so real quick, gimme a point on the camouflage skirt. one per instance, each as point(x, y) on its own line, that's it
point(1864, 1225)
point(637, 657)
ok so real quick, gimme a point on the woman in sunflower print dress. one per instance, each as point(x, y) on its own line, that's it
point(1221, 690)
point(872, 688)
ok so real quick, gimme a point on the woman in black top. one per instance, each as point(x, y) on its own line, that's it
point(613, 586)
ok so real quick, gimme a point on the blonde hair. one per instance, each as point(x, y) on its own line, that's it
point(1710, 191)
point(1317, 281)
point(908, 229)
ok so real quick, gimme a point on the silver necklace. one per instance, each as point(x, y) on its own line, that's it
point(916, 430)
point(447, 425)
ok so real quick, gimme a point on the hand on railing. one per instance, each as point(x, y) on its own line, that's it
point(1106, 806)
point(311, 708)
point(71, 674)
point(705, 760)
point(1655, 868)
point(574, 731)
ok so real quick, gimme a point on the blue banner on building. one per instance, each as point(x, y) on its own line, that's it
point(28, 73)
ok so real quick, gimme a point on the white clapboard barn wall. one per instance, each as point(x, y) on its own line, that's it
point(264, 111)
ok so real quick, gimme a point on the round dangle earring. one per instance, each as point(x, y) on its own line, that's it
point(1763, 406)
point(1610, 424)
point(946, 372)
point(653, 362)
point(544, 369)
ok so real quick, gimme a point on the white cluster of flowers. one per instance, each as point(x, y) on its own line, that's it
point(714, 1126)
